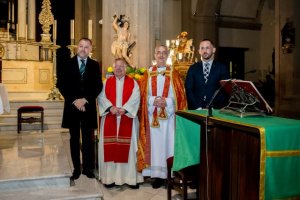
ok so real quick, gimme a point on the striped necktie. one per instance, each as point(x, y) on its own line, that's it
point(82, 68)
point(206, 71)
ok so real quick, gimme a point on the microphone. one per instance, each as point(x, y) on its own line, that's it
point(210, 104)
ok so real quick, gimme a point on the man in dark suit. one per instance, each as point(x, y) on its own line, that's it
point(203, 78)
point(80, 83)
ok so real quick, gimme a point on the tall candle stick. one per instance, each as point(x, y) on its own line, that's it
point(168, 43)
point(72, 29)
point(54, 29)
point(230, 69)
point(17, 32)
point(179, 56)
point(26, 32)
point(90, 29)
point(8, 31)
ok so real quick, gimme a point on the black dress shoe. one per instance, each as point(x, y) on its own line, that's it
point(89, 173)
point(76, 174)
point(109, 185)
point(157, 183)
point(134, 187)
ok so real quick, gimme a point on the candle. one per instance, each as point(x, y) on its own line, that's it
point(154, 62)
point(26, 32)
point(90, 29)
point(54, 29)
point(72, 29)
point(230, 68)
point(169, 61)
point(168, 43)
point(17, 32)
point(179, 56)
point(8, 31)
point(172, 52)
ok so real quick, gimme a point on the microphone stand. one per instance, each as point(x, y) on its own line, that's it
point(210, 104)
point(209, 114)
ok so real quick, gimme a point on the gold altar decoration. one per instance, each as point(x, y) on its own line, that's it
point(73, 49)
point(46, 19)
point(54, 93)
point(181, 54)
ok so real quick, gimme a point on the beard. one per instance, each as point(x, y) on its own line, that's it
point(207, 56)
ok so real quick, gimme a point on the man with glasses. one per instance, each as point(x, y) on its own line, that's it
point(118, 106)
point(162, 94)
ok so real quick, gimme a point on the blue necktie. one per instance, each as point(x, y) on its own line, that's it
point(82, 68)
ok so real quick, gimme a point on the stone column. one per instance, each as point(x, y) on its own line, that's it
point(203, 23)
point(22, 19)
point(142, 29)
point(31, 20)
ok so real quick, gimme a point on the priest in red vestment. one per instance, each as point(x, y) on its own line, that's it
point(118, 106)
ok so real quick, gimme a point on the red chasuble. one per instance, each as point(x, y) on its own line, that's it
point(116, 146)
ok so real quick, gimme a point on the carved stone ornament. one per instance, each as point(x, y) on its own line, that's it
point(2, 50)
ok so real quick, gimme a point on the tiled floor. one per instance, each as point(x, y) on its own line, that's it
point(37, 157)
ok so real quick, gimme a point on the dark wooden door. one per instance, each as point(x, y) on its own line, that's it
point(235, 56)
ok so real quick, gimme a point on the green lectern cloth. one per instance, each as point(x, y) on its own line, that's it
point(187, 135)
point(280, 150)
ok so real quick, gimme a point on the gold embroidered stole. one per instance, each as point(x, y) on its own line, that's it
point(162, 113)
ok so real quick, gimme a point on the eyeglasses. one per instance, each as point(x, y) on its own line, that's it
point(163, 53)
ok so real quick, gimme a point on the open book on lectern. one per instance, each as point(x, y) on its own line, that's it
point(244, 99)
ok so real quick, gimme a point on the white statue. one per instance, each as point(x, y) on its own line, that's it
point(121, 47)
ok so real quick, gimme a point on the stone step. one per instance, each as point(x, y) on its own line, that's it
point(83, 190)
point(27, 95)
point(33, 126)
point(47, 117)
point(52, 117)
point(53, 111)
point(38, 166)
point(35, 183)
point(15, 104)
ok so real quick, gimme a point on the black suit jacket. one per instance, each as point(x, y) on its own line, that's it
point(198, 92)
point(72, 87)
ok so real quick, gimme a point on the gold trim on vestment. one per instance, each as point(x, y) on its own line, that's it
point(163, 115)
point(155, 123)
point(111, 140)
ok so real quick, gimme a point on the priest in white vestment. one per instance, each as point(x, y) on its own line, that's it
point(118, 106)
point(162, 94)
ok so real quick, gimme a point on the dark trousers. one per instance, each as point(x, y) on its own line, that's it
point(87, 147)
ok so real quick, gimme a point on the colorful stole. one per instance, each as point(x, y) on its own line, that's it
point(153, 74)
point(144, 147)
point(116, 147)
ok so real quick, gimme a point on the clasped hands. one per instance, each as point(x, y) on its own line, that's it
point(160, 102)
point(117, 111)
point(79, 103)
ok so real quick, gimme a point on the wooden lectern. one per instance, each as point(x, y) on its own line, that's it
point(243, 158)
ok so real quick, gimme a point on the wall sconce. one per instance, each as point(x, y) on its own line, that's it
point(288, 37)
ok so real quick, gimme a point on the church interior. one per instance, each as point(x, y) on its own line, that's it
point(256, 39)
